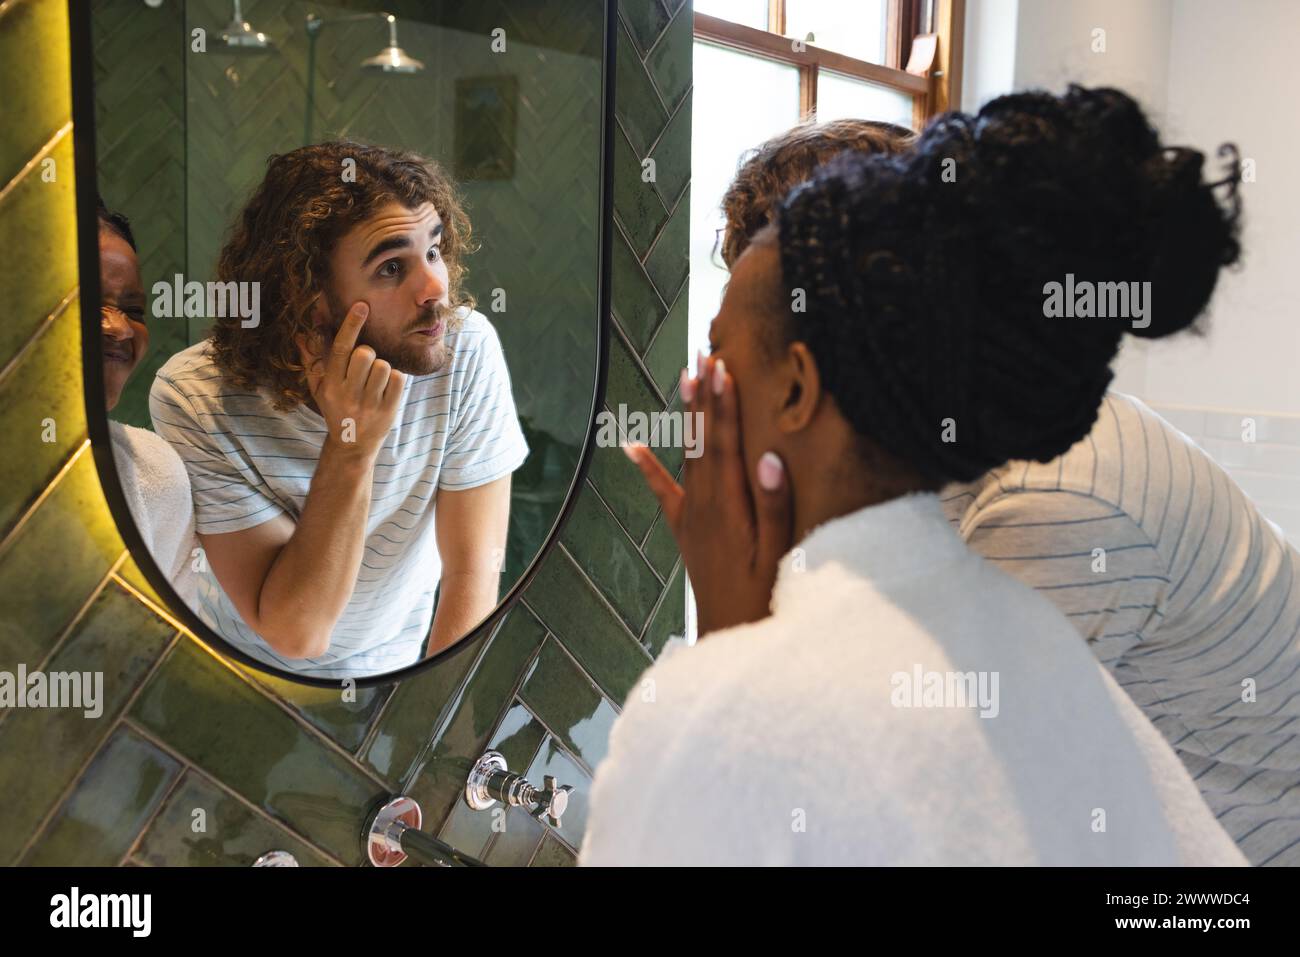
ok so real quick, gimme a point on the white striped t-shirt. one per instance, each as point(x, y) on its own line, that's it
point(1182, 589)
point(249, 462)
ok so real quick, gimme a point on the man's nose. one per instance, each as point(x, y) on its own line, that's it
point(434, 284)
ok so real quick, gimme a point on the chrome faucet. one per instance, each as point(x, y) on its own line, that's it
point(490, 781)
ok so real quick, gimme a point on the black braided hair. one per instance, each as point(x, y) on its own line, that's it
point(115, 222)
point(925, 296)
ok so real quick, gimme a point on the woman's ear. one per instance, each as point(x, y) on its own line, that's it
point(801, 388)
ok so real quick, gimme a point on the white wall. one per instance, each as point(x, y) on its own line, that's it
point(1055, 46)
point(989, 60)
point(1022, 44)
point(1231, 78)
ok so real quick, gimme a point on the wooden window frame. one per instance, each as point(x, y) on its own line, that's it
point(933, 81)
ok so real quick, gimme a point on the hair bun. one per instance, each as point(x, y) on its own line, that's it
point(1191, 236)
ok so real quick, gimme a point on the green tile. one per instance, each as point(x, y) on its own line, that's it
point(586, 627)
point(42, 749)
point(70, 532)
point(34, 87)
point(667, 356)
point(42, 392)
point(516, 844)
point(669, 261)
point(111, 804)
point(661, 548)
point(637, 305)
point(553, 760)
point(554, 854)
point(38, 232)
point(202, 825)
point(640, 211)
point(569, 703)
point(670, 617)
point(645, 20)
point(469, 831)
point(627, 386)
point(670, 61)
point(673, 456)
point(329, 709)
point(611, 561)
point(518, 738)
point(440, 782)
point(415, 712)
point(672, 156)
point(205, 712)
point(130, 573)
point(623, 488)
point(636, 104)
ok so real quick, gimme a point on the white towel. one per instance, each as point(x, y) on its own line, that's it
point(157, 490)
point(789, 741)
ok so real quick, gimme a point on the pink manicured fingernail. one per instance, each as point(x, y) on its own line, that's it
point(630, 450)
point(770, 471)
point(700, 363)
point(719, 377)
point(688, 386)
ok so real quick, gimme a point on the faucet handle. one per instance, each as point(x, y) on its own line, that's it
point(552, 800)
point(490, 781)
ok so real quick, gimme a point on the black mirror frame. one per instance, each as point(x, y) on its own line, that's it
point(97, 423)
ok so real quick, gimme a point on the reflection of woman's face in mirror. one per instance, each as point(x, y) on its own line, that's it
point(126, 337)
point(393, 262)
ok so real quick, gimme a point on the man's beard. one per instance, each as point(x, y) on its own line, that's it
point(403, 351)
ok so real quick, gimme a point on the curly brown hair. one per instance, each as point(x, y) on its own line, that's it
point(771, 170)
point(283, 239)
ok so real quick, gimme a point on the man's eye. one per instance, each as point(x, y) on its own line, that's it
point(435, 253)
point(390, 269)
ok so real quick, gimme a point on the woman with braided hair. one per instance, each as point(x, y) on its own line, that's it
point(867, 690)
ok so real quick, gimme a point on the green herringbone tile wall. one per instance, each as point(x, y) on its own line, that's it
point(193, 761)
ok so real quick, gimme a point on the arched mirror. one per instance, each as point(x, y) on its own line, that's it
point(352, 267)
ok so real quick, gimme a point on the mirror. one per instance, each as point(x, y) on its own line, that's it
point(353, 268)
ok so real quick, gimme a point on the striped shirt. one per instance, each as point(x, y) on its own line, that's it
point(1181, 588)
point(249, 463)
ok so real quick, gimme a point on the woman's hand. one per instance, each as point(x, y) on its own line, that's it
point(731, 533)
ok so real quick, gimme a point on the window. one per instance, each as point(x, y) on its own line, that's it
point(763, 65)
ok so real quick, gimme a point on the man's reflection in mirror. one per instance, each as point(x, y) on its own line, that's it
point(320, 435)
point(152, 477)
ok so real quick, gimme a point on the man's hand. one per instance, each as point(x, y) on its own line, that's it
point(357, 393)
point(731, 533)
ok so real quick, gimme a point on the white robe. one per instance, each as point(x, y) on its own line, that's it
point(790, 741)
point(157, 491)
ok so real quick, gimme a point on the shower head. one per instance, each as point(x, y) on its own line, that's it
point(240, 35)
point(392, 58)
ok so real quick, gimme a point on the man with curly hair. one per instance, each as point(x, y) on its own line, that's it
point(319, 439)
